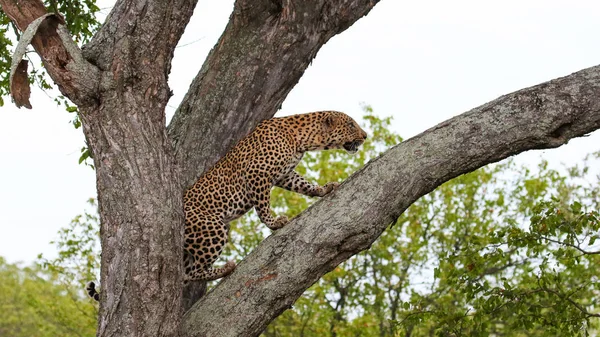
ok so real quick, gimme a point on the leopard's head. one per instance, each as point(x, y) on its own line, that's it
point(340, 131)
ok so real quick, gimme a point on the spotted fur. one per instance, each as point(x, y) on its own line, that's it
point(244, 177)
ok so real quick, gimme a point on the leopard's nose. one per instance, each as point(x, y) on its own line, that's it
point(364, 135)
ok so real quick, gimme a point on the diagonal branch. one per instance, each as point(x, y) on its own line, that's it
point(261, 55)
point(275, 274)
point(76, 78)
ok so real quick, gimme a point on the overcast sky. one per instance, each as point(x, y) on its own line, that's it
point(421, 62)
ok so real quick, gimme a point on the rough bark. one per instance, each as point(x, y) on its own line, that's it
point(139, 186)
point(275, 274)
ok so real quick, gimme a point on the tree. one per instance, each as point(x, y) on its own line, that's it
point(118, 81)
point(33, 304)
point(46, 299)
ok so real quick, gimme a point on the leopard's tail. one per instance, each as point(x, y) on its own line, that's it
point(90, 287)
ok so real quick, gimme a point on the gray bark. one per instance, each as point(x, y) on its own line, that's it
point(121, 91)
point(275, 274)
point(138, 181)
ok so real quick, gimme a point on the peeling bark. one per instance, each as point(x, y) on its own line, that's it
point(277, 272)
point(19, 85)
point(75, 77)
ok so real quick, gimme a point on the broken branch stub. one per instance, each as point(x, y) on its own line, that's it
point(19, 83)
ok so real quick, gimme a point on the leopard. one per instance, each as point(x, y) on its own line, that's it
point(243, 179)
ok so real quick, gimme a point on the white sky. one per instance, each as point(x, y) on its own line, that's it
point(419, 61)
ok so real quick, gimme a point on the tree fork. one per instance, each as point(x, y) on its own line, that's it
point(264, 50)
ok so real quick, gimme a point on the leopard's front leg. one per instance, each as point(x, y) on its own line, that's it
point(296, 183)
point(262, 199)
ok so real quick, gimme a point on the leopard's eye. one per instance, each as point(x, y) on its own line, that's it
point(351, 125)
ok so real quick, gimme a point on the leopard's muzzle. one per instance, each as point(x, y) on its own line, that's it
point(352, 147)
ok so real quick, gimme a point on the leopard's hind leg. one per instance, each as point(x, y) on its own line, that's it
point(204, 242)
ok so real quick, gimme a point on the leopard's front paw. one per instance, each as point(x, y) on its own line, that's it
point(228, 268)
point(329, 187)
point(279, 222)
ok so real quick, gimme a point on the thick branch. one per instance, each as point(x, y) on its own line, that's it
point(76, 78)
point(285, 264)
point(261, 55)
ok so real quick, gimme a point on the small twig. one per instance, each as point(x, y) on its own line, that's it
point(570, 245)
point(189, 43)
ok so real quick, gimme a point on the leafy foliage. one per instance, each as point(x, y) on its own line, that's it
point(78, 260)
point(34, 304)
point(46, 299)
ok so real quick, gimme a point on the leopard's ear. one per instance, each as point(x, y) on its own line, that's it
point(330, 121)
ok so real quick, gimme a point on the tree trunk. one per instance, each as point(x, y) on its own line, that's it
point(119, 83)
point(139, 187)
point(120, 87)
point(141, 220)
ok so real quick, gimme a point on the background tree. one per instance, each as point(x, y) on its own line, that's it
point(33, 303)
point(46, 299)
point(118, 81)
